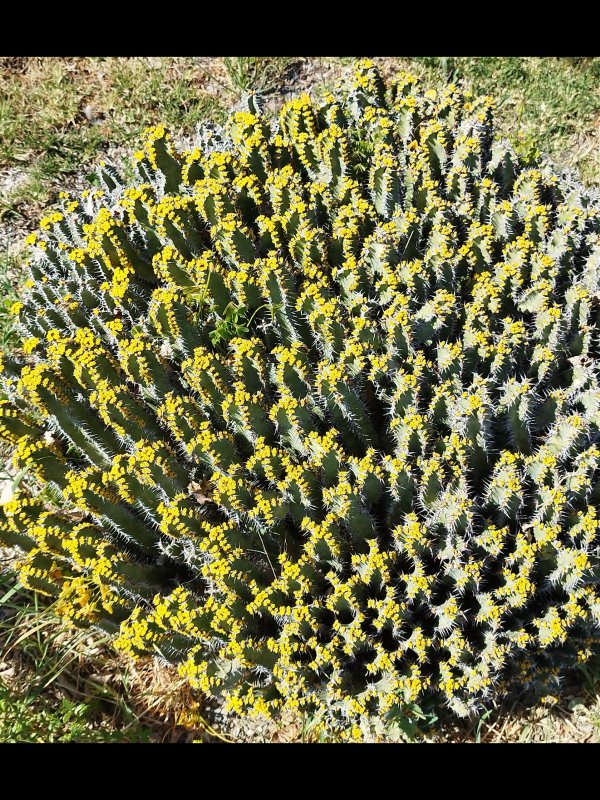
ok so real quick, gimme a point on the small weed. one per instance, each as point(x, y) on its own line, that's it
point(9, 280)
point(29, 718)
point(253, 74)
point(232, 324)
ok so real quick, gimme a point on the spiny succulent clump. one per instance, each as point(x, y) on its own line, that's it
point(317, 407)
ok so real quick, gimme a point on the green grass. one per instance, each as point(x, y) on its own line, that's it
point(254, 74)
point(33, 718)
point(53, 694)
point(545, 105)
point(9, 280)
point(59, 115)
point(59, 683)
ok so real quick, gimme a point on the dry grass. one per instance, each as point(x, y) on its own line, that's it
point(53, 666)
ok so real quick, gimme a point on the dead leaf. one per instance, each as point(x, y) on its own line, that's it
point(201, 491)
point(74, 515)
point(288, 734)
point(290, 729)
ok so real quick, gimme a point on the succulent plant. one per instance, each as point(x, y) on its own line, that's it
point(316, 407)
